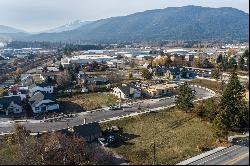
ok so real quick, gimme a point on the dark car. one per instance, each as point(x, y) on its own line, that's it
point(113, 108)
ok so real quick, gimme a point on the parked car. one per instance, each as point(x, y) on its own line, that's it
point(113, 108)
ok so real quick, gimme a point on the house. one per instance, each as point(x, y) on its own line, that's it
point(18, 91)
point(205, 74)
point(11, 104)
point(81, 77)
point(159, 90)
point(92, 83)
point(176, 73)
point(41, 102)
point(50, 75)
point(177, 58)
point(97, 83)
point(158, 70)
point(84, 90)
point(89, 131)
point(52, 68)
point(189, 57)
point(44, 87)
point(173, 73)
point(127, 91)
point(26, 79)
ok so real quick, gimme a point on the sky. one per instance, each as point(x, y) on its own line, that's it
point(40, 15)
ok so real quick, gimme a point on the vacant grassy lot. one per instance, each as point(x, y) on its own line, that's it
point(177, 136)
point(89, 101)
point(214, 85)
point(1, 92)
point(242, 73)
point(247, 95)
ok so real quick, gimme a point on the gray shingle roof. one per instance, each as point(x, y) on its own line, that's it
point(126, 89)
point(40, 96)
point(5, 101)
point(32, 86)
point(41, 85)
point(25, 76)
point(97, 79)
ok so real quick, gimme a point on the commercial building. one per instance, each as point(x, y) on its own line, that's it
point(86, 59)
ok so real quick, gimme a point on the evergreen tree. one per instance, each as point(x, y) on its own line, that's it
point(246, 53)
point(162, 53)
point(232, 64)
point(225, 63)
point(184, 97)
point(61, 67)
point(130, 75)
point(233, 112)
point(206, 64)
point(219, 59)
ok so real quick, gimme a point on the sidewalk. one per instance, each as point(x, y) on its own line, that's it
point(200, 156)
point(119, 159)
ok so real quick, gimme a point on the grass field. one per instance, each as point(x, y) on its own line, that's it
point(247, 95)
point(1, 92)
point(213, 85)
point(178, 136)
point(88, 101)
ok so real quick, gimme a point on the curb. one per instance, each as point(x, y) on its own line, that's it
point(206, 154)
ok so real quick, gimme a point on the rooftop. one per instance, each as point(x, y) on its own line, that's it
point(162, 86)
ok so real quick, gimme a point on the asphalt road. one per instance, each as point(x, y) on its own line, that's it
point(37, 126)
point(234, 155)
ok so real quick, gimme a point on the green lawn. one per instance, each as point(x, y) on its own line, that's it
point(88, 101)
point(177, 136)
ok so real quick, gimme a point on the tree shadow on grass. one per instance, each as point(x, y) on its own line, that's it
point(123, 139)
point(70, 107)
point(180, 122)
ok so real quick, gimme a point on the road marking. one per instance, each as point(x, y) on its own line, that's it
point(218, 155)
point(233, 161)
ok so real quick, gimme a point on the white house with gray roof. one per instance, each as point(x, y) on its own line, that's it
point(44, 87)
point(127, 91)
point(41, 102)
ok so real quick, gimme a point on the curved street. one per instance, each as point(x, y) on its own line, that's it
point(102, 114)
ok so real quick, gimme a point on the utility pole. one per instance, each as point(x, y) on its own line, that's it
point(154, 146)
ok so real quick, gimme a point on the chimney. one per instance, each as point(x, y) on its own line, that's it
point(84, 121)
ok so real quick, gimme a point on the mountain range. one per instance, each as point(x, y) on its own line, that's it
point(172, 23)
point(68, 27)
point(8, 33)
